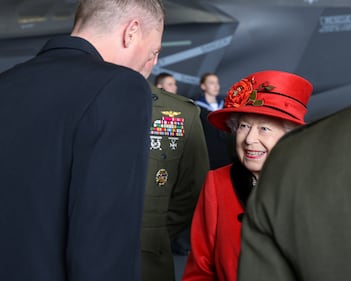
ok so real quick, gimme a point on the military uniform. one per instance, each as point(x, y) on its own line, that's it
point(298, 225)
point(178, 164)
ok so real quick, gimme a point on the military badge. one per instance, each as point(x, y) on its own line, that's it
point(169, 125)
point(161, 177)
point(173, 143)
point(171, 113)
point(155, 143)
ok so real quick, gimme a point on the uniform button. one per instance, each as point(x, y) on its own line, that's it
point(164, 156)
point(154, 97)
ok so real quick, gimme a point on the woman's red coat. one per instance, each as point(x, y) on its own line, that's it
point(215, 231)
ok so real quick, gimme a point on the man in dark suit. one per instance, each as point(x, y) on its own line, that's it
point(298, 224)
point(74, 147)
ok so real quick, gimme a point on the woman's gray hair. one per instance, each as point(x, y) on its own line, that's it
point(233, 123)
point(289, 126)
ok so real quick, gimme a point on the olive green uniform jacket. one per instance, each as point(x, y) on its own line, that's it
point(298, 221)
point(178, 164)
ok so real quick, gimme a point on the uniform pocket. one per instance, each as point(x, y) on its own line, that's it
point(155, 240)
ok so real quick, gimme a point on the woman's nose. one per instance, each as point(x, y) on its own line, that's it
point(252, 136)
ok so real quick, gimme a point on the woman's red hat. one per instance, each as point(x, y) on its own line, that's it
point(273, 93)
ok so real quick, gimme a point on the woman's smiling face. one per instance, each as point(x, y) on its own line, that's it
point(256, 135)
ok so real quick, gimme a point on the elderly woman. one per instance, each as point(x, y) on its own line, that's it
point(258, 110)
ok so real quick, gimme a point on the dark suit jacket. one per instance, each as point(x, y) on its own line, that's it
point(73, 153)
point(220, 144)
point(298, 224)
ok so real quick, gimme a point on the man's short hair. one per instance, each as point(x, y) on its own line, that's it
point(105, 13)
point(160, 77)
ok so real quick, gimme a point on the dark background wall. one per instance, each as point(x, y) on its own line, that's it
point(228, 37)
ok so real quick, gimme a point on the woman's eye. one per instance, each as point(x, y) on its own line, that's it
point(265, 129)
point(243, 126)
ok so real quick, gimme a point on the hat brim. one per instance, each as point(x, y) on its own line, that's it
point(219, 117)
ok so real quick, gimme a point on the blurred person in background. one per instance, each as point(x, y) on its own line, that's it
point(219, 143)
point(167, 82)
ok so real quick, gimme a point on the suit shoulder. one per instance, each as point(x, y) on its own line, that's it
point(307, 139)
point(334, 124)
point(180, 98)
point(174, 99)
point(177, 98)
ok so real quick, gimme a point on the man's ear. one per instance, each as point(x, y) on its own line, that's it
point(131, 32)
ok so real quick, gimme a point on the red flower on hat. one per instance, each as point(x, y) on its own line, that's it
point(243, 93)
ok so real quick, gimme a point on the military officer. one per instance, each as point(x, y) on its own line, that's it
point(178, 163)
point(298, 227)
